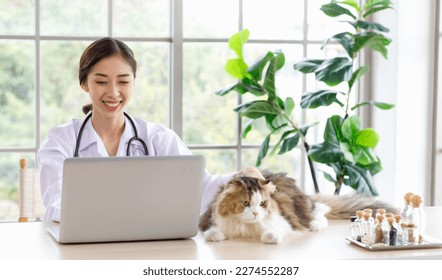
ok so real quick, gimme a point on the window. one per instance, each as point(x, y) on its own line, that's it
point(181, 52)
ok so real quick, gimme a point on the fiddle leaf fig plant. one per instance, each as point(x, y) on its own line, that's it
point(347, 148)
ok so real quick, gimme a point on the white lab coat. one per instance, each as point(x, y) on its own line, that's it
point(60, 142)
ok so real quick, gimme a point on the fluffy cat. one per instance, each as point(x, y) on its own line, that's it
point(269, 206)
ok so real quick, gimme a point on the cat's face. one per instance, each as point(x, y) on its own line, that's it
point(248, 198)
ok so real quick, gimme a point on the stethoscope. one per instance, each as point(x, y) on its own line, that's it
point(135, 138)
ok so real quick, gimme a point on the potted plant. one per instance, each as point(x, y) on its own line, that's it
point(348, 148)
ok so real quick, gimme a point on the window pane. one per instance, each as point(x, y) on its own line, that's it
point(17, 94)
point(61, 95)
point(210, 19)
point(321, 26)
point(218, 161)
point(208, 118)
point(17, 17)
point(141, 18)
point(73, 17)
point(9, 183)
point(276, 19)
point(151, 96)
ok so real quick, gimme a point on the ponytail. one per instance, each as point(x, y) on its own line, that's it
point(87, 108)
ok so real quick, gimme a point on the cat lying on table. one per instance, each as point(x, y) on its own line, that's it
point(268, 206)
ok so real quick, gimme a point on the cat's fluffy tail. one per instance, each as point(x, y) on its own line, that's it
point(345, 206)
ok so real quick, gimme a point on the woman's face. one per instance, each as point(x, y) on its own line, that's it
point(110, 85)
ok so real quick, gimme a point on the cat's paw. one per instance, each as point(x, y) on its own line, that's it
point(317, 225)
point(214, 235)
point(270, 237)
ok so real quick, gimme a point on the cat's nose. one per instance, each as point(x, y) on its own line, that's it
point(255, 214)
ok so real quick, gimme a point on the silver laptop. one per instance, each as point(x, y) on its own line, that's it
point(129, 199)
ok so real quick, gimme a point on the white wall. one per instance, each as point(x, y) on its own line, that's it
point(405, 79)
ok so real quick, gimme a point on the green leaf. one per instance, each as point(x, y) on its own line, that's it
point(253, 87)
point(334, 71)
point(308, 65)
point(238, 87)
point(248, 127)
point(329, 177)
point(359, 179)
point(357, 74)
point(374, 167)
point(346, 151)
point(256, 109)
point(364, 155)
point(346, 40)
point(237, 41)
point(236, 67)
point(276, 63)
point(316, 99)
point(332, 131)
point(367, 138)
point(289, 144)
point(350, 127)
point(366, 25)
point(373, 6)
point(279, 121)
point(263, 150)
point(353, 3)
point(289, 105)
point(325, 153)
point(374, 41)
point(282, 137)
point(334, 10)
point(380, 105)
point(257, 68)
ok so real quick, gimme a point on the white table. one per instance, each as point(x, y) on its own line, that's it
point(31, 241)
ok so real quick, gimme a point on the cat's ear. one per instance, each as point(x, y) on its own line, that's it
point(268, 186)
point(251, 171)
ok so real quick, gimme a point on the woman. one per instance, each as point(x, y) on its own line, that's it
point(107, 73)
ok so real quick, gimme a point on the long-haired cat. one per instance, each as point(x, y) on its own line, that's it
point(268, 206)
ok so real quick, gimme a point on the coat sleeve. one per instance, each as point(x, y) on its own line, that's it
point(56, 147)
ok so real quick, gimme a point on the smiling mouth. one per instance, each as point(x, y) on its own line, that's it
point(112, 104)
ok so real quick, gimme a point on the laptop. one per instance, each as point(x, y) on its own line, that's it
point(129, 199)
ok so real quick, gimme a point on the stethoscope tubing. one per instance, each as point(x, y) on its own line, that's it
point(135, 138)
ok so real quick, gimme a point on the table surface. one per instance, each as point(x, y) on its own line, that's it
point(21, 241)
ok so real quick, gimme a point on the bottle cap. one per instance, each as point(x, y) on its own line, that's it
point(22, 163)
point(367, 210)
point(397, 218)
point(407, 196)
point(381, 211)
point(359, 213)
point(390, 220)
point(367, 215)
point(416, 200)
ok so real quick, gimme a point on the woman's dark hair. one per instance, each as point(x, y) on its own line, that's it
point(98, 50)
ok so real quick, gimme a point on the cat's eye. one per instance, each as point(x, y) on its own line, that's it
point(246, 203)
point(263, 203)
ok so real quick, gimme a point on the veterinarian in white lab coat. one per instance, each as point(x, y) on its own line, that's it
point(107, 73)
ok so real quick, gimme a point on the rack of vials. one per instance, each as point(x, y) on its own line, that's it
point(384, 231)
